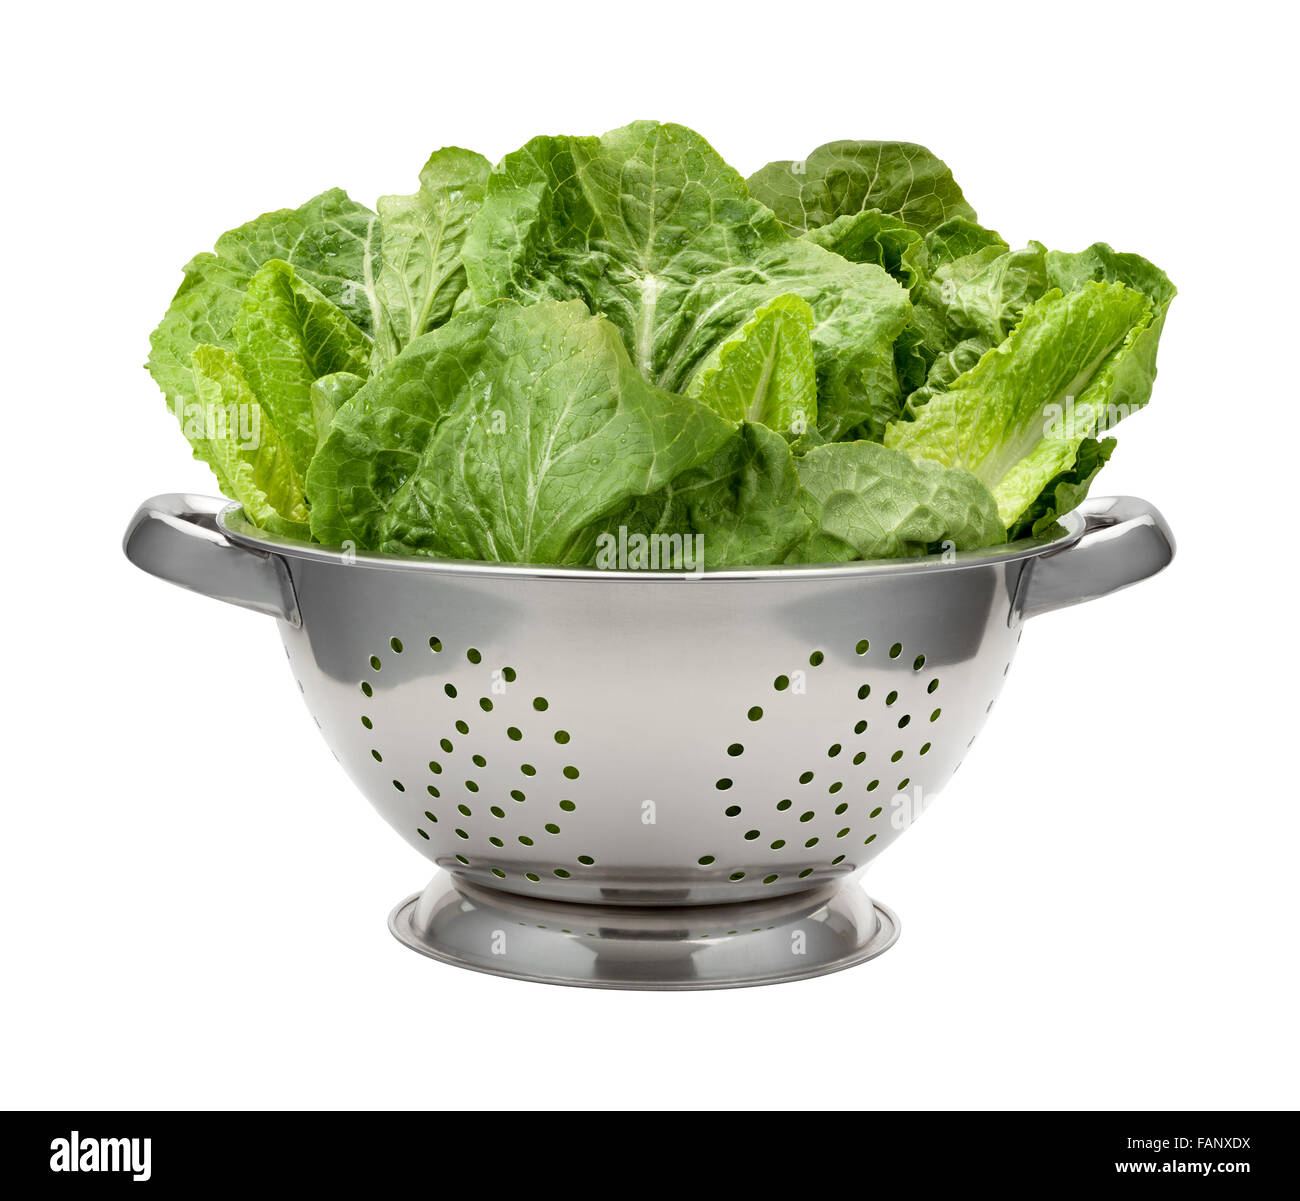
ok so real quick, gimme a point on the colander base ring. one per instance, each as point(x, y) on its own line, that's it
point(736, 945)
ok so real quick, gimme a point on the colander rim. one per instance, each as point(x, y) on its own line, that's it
point(291, 548)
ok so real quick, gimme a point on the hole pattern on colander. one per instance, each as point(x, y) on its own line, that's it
point(461, 798)
point(831, 799)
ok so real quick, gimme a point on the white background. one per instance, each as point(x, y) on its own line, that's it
point(1102, 910)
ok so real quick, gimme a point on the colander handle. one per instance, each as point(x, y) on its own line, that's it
point(176, 537)
point(1124, 540)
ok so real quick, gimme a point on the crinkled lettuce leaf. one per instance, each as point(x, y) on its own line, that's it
point(329, 394)
point(869, 502)
point(288, 335)
point(898, 178)
point(953, 239)
point(1064, 492)
point(331, 242)
point(871, 237)
point(767, 373)
point(1017, 418)
point(422, 276)
point(745, 505)
point(230, 432)
point(983, 294)
point(503, 435)
point(649, 227)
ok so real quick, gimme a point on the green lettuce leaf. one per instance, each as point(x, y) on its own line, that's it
point(1017, 418)
point(946, 368)
point(1064, 492)
point(649, 227)
point(331, 242)
point(871, 237)
point(983, 294)
point(287, 336)
point(745, 505)
point(329, 394)
point(422, 275)
point(898, 178)
point(231, 432)
point(954, 239)
point(767, 372)
point(503, 435)
point(869, 502)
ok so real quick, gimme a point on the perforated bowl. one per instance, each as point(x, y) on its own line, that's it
point(647, 779)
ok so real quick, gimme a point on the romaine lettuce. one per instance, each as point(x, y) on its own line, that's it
point(832, 360)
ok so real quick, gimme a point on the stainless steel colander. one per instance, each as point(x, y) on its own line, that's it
point(647, 780)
